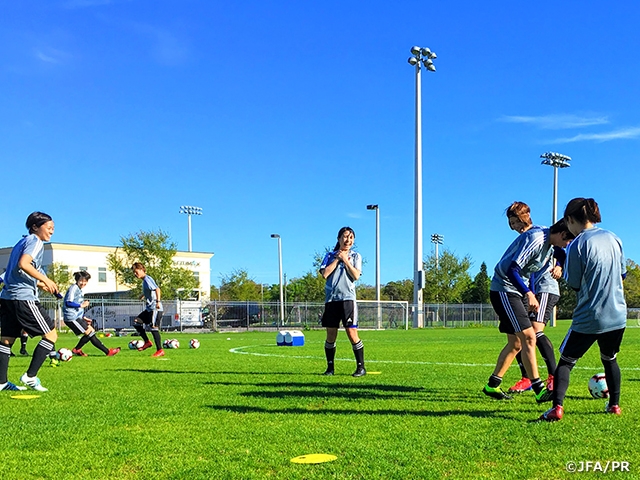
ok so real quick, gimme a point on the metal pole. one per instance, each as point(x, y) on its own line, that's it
point(281, 285)
point(189, 216)
point(418, 313)
point(555, 195)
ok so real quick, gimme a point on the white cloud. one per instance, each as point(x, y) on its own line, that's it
point(354, 215)
point(620, 134)
point(557, 122)
point(51, 55)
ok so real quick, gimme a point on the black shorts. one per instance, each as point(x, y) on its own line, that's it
point(345, 311)
point(547, 301)
point(77, 326)
point(151, 317)
point(27, 315)
point(512, 312)
point(576, 344)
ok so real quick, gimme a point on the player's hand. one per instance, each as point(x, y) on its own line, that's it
point(534, 306)
point(343, 256)
point(50, 286)
point(85, 304)
point(556, 272)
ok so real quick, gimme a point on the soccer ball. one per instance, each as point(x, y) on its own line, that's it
point(166, 343)
point(174, 343)
point(135, 344)
point(598, 386)
point(194, 343)
point(64, 354)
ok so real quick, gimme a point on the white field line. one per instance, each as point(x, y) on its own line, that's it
point(240, 350)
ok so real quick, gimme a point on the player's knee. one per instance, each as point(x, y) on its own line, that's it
point(52, 336)
point(89, 330)
point(7, 341)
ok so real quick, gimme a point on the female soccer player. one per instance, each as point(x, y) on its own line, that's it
point(152, 314)
point(595, 269)
point(19, 306)
point(341, 268)
point(528, 253)
point(545, 286)
point(73, 311)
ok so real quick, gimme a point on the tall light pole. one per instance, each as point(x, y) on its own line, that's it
point(556, 160)
point(275, 235)
point(375, 207)
point(189, 210)
point(437, 239)
point(420, 57)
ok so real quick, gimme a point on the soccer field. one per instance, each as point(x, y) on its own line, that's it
point(241, 408)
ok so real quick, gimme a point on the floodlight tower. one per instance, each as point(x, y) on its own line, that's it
point(275, 235)
point(420, 56)
point(437, 239)
point(375, 207)
point(556, 160)
point(189, 210)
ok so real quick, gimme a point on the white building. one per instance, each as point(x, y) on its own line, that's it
point(93, 259)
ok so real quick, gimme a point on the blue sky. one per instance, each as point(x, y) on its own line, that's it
point(290, 117)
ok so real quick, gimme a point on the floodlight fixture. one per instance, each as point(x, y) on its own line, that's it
point(437, 238)
point(413, 61)
point(372, 207)
point(556, 159)
point(416, 50)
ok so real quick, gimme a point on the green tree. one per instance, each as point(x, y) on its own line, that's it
point(239, 286)
point(446, 281)
point(632, 284)
point(308, 288)
point(367, 292)
point(155, 251)
point(59, 273)
point(478, 291)
point(567, 302)
point(401, 290)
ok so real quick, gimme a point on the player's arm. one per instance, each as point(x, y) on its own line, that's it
point(514, 273)
point(158, 297)
point(26, 265)
point(329, 266)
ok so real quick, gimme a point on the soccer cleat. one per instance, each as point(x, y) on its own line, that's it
point(24, 353)
point(496, 393)
point(33, 382)
point(545, 395)
point(146, 345)
point(522, 385)
point(328, 371)
point(615, 409)
point(113, 351)
point(54, 362)
point(553, 414)
point(159, 353)
point(11, 386)
point(360, 372)
point(78, 352)
point(12, 354)
point(549, 382)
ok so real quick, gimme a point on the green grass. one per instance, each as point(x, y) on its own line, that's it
point(213, 414)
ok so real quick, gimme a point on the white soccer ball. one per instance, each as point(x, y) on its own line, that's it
point(166, 343)
point(135, 344)
point(64, 354)
point(598, 386)
point(194, 343)
point(174, 343)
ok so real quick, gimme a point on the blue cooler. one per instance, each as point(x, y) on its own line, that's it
point(280, 338)
point(294, 338)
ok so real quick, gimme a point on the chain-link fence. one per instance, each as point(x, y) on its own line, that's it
point(113, 314)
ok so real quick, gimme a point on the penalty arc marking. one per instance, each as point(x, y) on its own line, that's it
point(242, 351)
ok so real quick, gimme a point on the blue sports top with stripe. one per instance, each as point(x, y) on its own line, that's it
point(528, 253)
point(340, 286)
point(595, 268)
point(149, 287)
point(17, 284)
point(71, 309)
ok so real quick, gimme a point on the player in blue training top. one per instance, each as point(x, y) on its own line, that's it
point(73, 308)
point(595, 268)
point(341, 268)
point(19, 305)
point(511, 298)
point(152, 314)
point(545, 286)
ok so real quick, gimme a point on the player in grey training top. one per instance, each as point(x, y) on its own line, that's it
point(152, 314)
point(595, 269)
point(341, 268)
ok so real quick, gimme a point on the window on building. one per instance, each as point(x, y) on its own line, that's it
point(196, 275)
point(83, 269)
point(102, 274)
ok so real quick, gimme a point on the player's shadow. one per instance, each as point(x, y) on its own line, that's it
point(346, 411)
point(152, 371)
